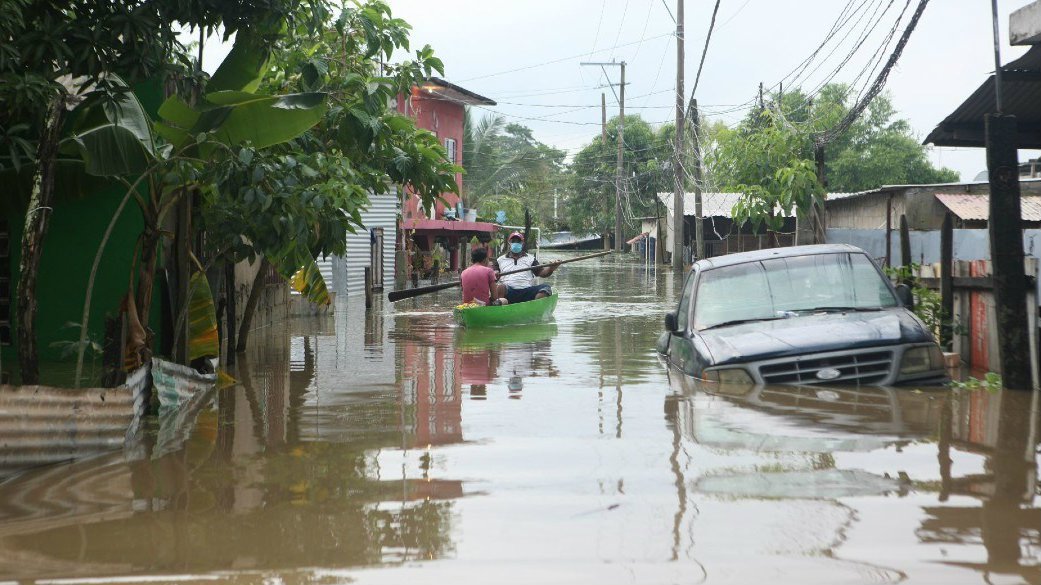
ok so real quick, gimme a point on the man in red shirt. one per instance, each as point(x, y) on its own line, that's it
point(479, 279)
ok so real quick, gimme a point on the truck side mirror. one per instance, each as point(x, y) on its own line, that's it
point(903, 292)
point(670, 322)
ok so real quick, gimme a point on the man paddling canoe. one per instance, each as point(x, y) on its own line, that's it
point(521, 287)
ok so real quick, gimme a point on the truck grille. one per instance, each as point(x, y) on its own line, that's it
point(857, 368)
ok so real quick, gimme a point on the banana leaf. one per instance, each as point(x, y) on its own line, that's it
point(308, 281)
point(202, 319)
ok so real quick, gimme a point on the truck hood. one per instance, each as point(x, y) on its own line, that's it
point(813, 334)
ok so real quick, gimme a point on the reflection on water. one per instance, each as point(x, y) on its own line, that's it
point(392, 447)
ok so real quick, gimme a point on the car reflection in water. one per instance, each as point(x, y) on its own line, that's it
point(924, 479)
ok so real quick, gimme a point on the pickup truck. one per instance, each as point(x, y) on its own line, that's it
point(801, 315)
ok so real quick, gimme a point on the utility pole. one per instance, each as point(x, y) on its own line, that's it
point(1006, 234)
point(699, 226)
point(680, 182)
point(621, 159)
point(619, 178)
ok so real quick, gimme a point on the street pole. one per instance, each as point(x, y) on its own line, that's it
point(699, 226)
point(680, 182)
point(603, 140)
point(1006, 236)
point(619, 184)
point(621, 159)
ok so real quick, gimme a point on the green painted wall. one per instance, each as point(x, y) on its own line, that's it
point(76, 228)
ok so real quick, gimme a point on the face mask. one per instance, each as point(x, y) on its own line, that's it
point(516, 247)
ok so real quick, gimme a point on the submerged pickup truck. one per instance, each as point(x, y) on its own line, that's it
point(800, 315)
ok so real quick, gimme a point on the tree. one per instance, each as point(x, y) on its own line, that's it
point(54, 54)
point(508, 169)
point(769, 156)
point(647, 171)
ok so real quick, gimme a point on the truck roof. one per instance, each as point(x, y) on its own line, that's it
point(770, 253)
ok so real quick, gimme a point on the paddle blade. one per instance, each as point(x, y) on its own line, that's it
point(409, 293)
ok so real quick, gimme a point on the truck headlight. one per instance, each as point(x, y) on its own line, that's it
point(729, 376)
point(921, 360)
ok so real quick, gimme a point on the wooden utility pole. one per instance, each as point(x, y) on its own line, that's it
point(680, 182)
point(1006, 235)
point(699, 226)
point(946, 281)
point(619, 178)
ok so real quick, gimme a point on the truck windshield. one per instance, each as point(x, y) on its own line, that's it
point(782, 287)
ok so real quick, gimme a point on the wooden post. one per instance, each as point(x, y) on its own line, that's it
point(229, 294)
point(368, 287)
point(889, 231)
point(905, 243)
point(1006, 250)
point(946, 280)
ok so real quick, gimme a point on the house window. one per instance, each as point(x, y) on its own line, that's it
point(450, 147)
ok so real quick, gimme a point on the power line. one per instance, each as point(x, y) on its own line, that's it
point(704, 51)
point(564, 59)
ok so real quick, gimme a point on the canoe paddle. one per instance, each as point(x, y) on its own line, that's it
point(400, 295)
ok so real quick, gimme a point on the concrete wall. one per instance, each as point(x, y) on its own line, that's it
point(1025, 25)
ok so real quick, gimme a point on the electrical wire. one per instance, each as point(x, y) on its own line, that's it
point(564, 59)
point(704, 51)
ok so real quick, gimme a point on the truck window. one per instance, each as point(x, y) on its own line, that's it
point(683, 313)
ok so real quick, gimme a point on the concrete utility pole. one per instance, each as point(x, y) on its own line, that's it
point(680, 182)
point(619, 178)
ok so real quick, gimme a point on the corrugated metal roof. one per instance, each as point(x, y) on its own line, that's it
point(712, 204)
point(1021, 94)
point(977, 207)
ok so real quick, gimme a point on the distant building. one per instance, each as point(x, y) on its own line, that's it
point(925, 206)
point(440, 107)
point(396, 221)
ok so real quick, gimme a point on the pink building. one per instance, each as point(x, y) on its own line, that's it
point(439, 106)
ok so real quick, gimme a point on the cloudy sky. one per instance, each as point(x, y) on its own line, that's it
point(525, 54)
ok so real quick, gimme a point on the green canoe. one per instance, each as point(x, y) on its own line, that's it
point(498, 316)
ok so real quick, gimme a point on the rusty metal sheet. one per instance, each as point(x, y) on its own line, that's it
point(977, 207)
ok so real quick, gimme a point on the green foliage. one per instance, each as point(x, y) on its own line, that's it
point(72, 49)
point(770, 164)
point(991, 382)
point(647, 170)
point(928, 304)
point(202, 319)
point(878, 149)
point(508, 169)
point(308, 281)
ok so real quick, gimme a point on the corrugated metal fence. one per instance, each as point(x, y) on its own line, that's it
point(345, 275)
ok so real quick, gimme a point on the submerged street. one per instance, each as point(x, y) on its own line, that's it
point(392, 446)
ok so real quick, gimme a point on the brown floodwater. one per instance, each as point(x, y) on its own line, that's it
point(393, 447)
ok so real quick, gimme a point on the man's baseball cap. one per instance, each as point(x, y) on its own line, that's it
point(515, 235)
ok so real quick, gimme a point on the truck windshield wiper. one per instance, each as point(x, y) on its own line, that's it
point(840, 309)
point(739, 322)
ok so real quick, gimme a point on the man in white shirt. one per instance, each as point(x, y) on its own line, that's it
point(521, 287)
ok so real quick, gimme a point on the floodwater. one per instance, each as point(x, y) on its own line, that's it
point(395, 448)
